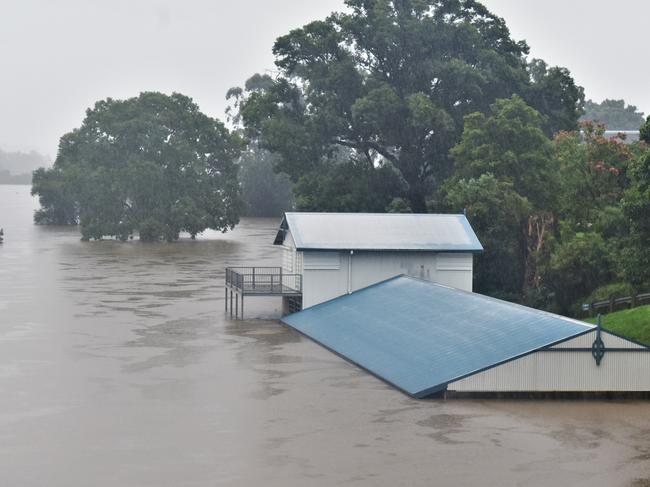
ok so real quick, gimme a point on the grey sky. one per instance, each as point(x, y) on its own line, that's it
point(59, 56)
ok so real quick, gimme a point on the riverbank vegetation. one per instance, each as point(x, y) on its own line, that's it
point(433, 107)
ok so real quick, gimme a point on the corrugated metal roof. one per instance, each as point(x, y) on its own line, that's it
point(420, 336)
point(380, 231)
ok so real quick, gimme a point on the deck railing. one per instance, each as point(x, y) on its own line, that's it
point(263, 280)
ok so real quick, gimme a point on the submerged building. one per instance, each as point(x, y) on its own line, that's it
point(427, 339)
point(325, 255)
point(338, 253)
point(392, 293)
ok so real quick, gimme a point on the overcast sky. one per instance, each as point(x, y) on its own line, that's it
point(59, 56)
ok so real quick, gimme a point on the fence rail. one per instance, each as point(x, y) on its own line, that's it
point(263, 280)
point(612, 304)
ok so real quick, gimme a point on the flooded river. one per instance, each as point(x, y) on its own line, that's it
point(118, 367)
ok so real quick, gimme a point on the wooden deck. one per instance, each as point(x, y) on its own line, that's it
point(259, 281)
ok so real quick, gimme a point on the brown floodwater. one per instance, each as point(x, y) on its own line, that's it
point(118, 367)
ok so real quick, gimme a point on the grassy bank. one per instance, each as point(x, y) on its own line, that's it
point(631, 323)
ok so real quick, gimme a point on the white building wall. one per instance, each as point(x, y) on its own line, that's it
point(455, 270)
point(567, 371)
point(288, 254)
point(324, 277)
point(325, 274)
point(292, 260)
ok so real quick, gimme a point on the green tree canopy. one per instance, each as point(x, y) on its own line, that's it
point(509, 142)
point(265, 193)
point(614, 114)
point(644, 133)
point(392, 81)
point(344, 184)
point(153, 164)
point(580, 262)
point(498, 214)
point(593, 175)
point(506, 154)
point(636, 205)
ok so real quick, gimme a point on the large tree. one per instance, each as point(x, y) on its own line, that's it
point(498, 215)
point(392, 81)
point(153, 165)
point(636, 206)
point(265, 193)
point(509, 145)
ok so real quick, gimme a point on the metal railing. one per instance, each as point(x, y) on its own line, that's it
point(263, 280)
point(613, 304)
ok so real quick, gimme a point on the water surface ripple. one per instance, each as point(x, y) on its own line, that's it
point(118, 367)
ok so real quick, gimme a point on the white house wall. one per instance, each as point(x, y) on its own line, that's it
point(288, 254)
point(325, 276)
point(321, 278)
point(573, 371)
point(455, 270)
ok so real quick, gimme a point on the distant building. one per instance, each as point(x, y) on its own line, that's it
point(630, 136)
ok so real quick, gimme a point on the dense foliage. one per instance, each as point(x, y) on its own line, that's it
point(152, 165)
point(265, 193)
point(430, 105)
point(410, 105)
point(644, 132)
point(508, 149)
point(575, 224)
point(614, 114)
point(391, 82)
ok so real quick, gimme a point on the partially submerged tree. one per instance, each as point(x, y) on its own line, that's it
point(153, 165)
point(392, 81)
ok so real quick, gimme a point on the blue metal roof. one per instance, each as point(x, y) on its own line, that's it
point(420, 336)
point(379, 231)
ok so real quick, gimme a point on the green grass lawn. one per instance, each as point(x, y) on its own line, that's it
point(631, 323)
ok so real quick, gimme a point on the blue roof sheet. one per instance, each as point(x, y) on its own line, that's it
point(420, 336)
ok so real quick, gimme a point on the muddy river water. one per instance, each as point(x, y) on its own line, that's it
point(118, 367)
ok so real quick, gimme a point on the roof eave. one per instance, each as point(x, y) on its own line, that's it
point(357, 249)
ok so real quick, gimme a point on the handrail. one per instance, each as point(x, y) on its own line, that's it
point(271, 280)
point(612, 302)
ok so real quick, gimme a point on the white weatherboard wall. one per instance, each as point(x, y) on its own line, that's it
point(291, 259)
point(325, 273)
point(574, 371)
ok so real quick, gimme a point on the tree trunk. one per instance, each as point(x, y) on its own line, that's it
point(416, 198)
point(538, 227)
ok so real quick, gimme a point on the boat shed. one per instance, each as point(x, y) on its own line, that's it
point(338, 253)
point(425, 338)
